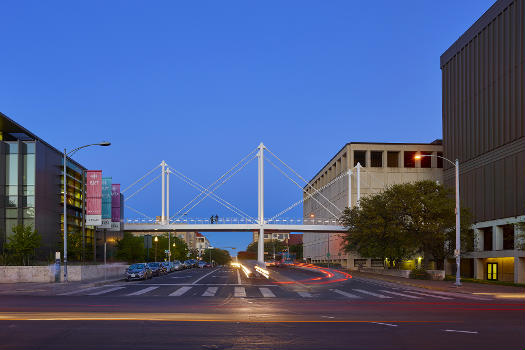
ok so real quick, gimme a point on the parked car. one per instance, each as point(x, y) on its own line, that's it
point(138, 272)
point(177, 265)
point(202, 264)
point(188, 264)
point(155, 267)
point(165, 267)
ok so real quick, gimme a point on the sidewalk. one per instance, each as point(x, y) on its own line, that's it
point(444, 286)
point(50, 288)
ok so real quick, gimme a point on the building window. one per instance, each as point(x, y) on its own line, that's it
point(360, 157)
point(11, 201)
point(492, 271)
point(11, 169)
point(29, 169)
point(409, 159)
point(426, 162)
point(508, 237)
point(376, 159)
point(392, 159)
point(9, 224)
point(440, 160)
point(487, 238)
point(266, 236)
point(360, 262)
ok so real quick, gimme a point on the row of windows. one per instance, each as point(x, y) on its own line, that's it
point(392, 159)
point(508, 237)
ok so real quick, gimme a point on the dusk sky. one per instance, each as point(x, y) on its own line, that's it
point(201, 84)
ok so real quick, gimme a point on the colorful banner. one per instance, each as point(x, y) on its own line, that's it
point(106, 202)
point(94, 197)
point(115, 207)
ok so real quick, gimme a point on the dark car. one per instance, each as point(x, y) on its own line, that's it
point(155, 267)
point(178, 265)
point(165, 267)
point(138, 272)
point(188, 264)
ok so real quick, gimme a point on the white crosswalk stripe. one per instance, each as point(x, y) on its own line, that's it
point(346, 294)
point(400, 294)
point(106, 291)
point(180, 291)
point(429, 295)
point(305, 294)
point(142, 291)
point(373, 294)
point(267, 293)
point(239, 292)
point(210, 292)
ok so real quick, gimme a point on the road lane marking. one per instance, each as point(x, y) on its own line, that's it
point(107, 291)
point(80, 290)
point(305, 294)
point(453, 330)
point(400, 294)
point(238, 277)
point(142, 291)
point(346, 294)
point(386, 324)
point(180, 291)
point(239, 292)
point(267, 293)
point(373, 294)
point(429, 295)
point(209, 273)
point(210, 292)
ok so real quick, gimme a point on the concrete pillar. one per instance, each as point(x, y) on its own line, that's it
point(497, 238)
point(519, 270)
point(479, 269)
point(418, 161)
point(479, 240)
point(385, 158)
point(368, 159)
point(433, 160)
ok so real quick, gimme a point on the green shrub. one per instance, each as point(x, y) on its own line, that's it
point(419, 274)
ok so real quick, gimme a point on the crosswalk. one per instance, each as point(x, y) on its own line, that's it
point(267, 292)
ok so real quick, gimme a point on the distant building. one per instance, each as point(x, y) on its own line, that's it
point(383, 164)
point(295, 239)
point(483, 126)
point(201, 242)
point(269, 236)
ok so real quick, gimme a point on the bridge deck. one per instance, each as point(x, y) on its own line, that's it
point(231, 228)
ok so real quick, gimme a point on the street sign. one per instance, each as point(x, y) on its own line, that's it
point(166, 251)
point(327, 255)
point(456, 253)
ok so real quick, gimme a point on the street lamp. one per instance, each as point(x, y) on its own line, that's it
point(156, 244)
point(458, 241)
point(66, 154)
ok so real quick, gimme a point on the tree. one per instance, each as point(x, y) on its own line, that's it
point(407, 219)
point(270, 247)
point(130, 248)
point(23, 243)
point(297, 249)
point(220, 256)
point(177, 246)
point(374, 230)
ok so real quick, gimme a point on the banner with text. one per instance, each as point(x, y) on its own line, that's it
point(93, 197)
point(106, 202)
point(115, 207)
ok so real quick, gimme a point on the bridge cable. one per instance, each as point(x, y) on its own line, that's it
point(306, 182)
point(289, 178)
point(210, 186)
point(140, 189)
point(219, 185)
point(307, 197)
point(133, 184)
point(218, 199)
point(136, 211)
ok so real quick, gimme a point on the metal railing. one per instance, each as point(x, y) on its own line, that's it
point(239, 221)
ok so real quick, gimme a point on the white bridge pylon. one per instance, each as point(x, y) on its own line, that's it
point(179, 221)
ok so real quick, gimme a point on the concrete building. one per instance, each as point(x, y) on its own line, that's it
point(383, 164)
point(271, 236)
point(483, 126)
point(201, 242)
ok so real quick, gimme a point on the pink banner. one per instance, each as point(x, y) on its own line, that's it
point(94, 197)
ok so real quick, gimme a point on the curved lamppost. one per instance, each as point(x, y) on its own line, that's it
point(457, 251)
point(66, 154)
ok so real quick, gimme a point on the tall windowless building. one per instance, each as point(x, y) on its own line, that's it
point(483, 127)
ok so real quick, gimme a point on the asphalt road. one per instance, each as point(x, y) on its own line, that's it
point(222, 309)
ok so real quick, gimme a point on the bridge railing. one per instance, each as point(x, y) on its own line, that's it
point(240, 221)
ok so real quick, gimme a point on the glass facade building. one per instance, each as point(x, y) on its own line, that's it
point(31, 190)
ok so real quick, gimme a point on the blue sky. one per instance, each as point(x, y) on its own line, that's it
point(200, 84)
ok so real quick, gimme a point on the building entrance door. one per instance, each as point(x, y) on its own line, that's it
point(492, 271)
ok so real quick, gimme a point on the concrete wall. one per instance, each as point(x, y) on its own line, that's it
point(46, 274)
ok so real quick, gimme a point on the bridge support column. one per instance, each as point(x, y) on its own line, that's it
point(260, 244)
